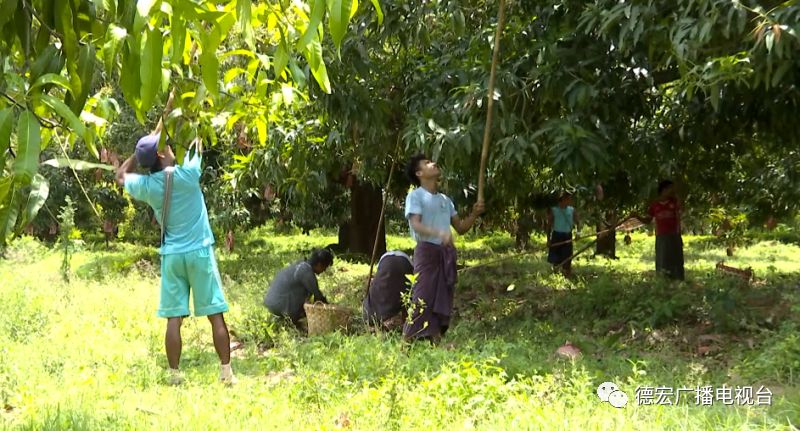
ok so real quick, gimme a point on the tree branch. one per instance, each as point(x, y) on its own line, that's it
point(50, 124)
point(30, 9)
point(11, 99)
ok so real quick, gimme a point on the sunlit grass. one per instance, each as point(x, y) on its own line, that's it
point(89, 354)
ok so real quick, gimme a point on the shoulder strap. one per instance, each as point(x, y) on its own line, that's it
point(165, 204)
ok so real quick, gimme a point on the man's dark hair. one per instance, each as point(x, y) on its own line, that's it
point(321, 256)
point(413, 167)
point(156, 166)
point(565, 194)
point(663, 185)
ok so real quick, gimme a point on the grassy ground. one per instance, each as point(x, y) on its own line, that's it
point(89, 354)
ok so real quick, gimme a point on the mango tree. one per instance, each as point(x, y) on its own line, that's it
point(51, 52)
point(588, 93)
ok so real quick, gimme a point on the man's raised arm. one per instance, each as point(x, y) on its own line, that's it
point(127, 167)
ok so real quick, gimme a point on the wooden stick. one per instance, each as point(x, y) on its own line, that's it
point(574, 255)
point(537, 249)
point(380, 222)
point(586, 247)
point(490, 103)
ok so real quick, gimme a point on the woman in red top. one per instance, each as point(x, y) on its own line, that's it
point(669, 245)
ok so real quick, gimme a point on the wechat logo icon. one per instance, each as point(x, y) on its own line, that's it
point(609, 392)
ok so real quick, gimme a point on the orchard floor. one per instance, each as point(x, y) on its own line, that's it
point(88, 354)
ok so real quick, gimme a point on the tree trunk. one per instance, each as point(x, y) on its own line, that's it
point(525, 224)
point(357, 235)
point(607, 244)
point(522, 237)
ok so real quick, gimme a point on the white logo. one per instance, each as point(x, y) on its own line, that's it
point(609, 392)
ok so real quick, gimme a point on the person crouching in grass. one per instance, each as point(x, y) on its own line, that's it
point(296, 284)
point(383, 305)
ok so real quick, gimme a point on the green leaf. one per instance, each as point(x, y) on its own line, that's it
point(40, 189)
point(51, 78)
point(28, 141)
point(770, 41)
point(209, 67)
point(5, 187)
point(106, 8)
point(317, 12)
point(77, 98)
point(7, 9)
point(459, 24)
point(714, 90)
point(298, 75)
point(178, 34)
point(85, 18)
point(209, 62)
point(232, 73)
point(130, 81)
point(281, 59)
point(166, 77)
point(44, 62)
point(261, 127)
point(64, 112)
point(126, 15)
point(244, 14)
point(43, 35)
point(353, 9)
point(150, 68)
point(9, 210)
point(69, 40)
point(91, 145)
point(338, 20)
point(78, 165)
point(379, 11)
point(317, 65)
point(222, 26)
point(143, 7)
point(115, 35)
point(22, 21)
point(6, 126)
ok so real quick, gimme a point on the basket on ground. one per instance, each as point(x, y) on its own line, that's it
point(324, 318)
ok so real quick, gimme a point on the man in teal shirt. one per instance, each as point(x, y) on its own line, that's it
point(187, 253)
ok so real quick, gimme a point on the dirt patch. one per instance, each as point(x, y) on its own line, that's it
point(276, 377)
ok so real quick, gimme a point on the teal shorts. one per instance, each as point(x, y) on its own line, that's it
point(196, 271)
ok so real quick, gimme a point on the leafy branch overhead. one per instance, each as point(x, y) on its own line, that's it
point(600, 92)
point(588, 92)
point(225, 59)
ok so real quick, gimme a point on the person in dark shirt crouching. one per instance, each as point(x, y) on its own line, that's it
point(383, 306)
point(294, 285)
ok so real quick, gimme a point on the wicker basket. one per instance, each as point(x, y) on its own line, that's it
point(324, 318)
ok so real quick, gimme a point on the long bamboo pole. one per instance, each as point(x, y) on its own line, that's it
point(501, 18)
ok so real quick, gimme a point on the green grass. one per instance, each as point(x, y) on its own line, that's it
point(89, 354)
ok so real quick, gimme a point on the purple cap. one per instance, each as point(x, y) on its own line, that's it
point(147, 150)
